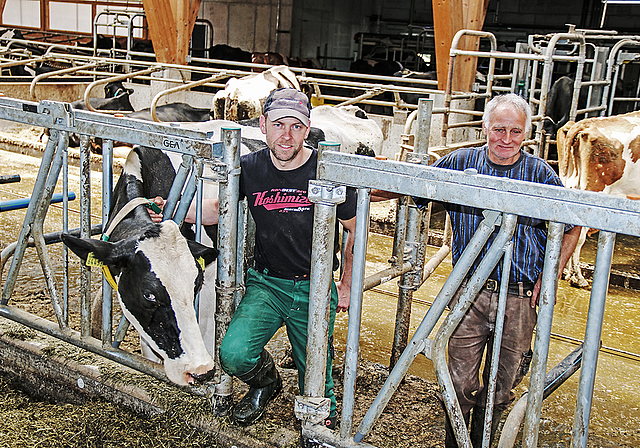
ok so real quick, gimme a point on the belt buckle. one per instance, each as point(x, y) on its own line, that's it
point(491, 284)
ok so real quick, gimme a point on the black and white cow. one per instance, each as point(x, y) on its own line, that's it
point(243, 98)
point(348, 125)
point(181, 112)
point(116, 97)
point(556, 112)
point(158, 271)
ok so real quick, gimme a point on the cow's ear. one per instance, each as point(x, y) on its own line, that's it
point(209, 254)
point(102, 251)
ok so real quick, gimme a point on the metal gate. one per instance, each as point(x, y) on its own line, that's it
point(504, 200)
point(197, 148)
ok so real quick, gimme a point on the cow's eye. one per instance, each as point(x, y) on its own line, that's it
point(150, 297)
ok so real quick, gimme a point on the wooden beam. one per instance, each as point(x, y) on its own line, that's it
point(450, 16)
point(162, 29)
point(170, 26)
point(442, 12)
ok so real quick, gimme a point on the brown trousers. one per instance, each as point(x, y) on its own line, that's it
point(475, 332)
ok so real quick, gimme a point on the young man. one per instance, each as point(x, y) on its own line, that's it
point(506, 121)
point(275, 181)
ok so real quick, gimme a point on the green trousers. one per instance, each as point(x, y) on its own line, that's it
point(268, 303)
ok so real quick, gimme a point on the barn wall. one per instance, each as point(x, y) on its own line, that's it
point(326, 29)
point(250, 25)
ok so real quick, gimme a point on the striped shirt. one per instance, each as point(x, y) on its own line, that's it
point(530, 236)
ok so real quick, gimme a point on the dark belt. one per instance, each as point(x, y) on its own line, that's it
point(524, 289)
point(266, 272)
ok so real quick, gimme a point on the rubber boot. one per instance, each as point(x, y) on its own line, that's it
point(449, 435)
point(477, 426)
point(264, 384)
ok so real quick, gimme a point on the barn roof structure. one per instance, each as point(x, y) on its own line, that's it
point(170, 26)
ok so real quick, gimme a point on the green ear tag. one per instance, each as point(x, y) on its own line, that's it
point(200, 261)
point(93, 261)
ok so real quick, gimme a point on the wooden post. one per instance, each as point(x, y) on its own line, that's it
point(443, 34)
point(170, 26)
point(450, 16)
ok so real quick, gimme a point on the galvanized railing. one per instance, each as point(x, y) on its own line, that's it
point(196, 147)
point(504, 200)
point(206, 157)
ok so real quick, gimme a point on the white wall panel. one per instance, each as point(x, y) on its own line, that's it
point(70, 17)
point(22, 13)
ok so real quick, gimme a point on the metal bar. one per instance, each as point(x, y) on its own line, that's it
point(9, 178)
point(352, 352)
point(199, 191)
point(418, 341)
point(187, 196)
point(593, 332)
point(107, 290)
point(543, 332)
point(65, 229)
point(25, 232)
point(16, 204)
point(326, 197)
point(471, 290)
point(227, 261)
point(101, 82)
point(582, 208)
point(154, 102)
point(85, 213)
point(37, 229)
point(406, 287)
point(611, 65)
point(400, 234)
point(37, 79)
point(178, 185)
point(497, 342)
point(408, 281)
point(135, 132)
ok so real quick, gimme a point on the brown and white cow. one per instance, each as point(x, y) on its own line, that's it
point(243, 99)
point(599, 154)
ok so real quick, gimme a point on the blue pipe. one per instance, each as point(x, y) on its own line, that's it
point(15, 204)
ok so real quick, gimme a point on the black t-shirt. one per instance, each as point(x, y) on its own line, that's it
point(280, 206)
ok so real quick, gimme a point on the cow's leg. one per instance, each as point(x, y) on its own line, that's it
point(573, 273)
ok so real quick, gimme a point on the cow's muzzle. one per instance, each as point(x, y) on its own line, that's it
point(204, 377)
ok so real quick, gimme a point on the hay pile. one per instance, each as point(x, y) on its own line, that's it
point(30, 422)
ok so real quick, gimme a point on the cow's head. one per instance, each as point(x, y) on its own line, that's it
point(158, 273)
point(115, 89)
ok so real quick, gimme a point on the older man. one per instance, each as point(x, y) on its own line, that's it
point(506, 122)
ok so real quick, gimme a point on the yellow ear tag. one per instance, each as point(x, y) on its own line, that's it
point(107, 275)
point(93, 261)
point(200, 261)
